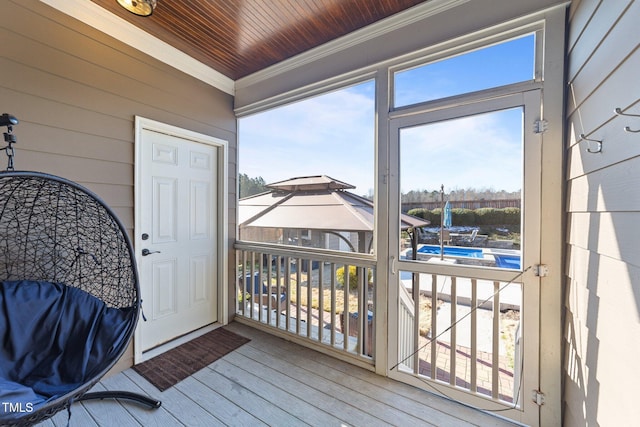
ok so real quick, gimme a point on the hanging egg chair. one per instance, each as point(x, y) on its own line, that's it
point(69, 294)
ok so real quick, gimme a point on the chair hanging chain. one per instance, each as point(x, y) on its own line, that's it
point(8, 121)
point(10, 155)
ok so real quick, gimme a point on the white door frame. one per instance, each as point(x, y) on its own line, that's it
point(222, 192)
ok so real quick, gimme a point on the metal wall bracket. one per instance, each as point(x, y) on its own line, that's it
point(541, 270)
point(538, 397)
point(540, 126)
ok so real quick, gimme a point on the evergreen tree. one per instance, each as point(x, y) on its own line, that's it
point(251, 186)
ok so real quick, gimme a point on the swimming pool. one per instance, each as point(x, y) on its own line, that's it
point(452, 251)
point(475, 256)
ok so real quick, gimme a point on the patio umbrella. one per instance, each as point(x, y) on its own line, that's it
point(318, 203)
point(447, 215)
point(444, 219)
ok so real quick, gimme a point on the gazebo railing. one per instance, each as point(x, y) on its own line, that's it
point(325, 297)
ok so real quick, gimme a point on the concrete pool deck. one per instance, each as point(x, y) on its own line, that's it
point(510, 296)
point(481, 256)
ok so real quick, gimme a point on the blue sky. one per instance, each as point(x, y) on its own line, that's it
point(494, 66)
point(480, 152)
point(333, 134)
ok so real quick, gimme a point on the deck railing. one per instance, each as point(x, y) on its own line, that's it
point(323, 296)
point(407, 339)
point(456, 330)
point(461, 331)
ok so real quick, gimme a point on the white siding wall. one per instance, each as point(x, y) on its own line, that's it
point(602, 305)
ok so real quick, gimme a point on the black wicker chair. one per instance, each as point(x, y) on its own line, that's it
point(69, 296)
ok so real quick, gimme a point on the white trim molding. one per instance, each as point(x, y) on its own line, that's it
point(116, 27)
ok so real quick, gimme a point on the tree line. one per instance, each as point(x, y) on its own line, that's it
point(250, 186)
point(458, 194)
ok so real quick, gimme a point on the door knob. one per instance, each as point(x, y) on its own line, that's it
point(146, 252)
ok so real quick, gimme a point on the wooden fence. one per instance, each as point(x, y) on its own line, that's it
point(464, 204)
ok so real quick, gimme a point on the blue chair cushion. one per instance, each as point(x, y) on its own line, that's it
point(55, 338)
point(256, 284)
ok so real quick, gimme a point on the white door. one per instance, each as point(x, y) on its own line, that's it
point(466, 317)
point(176, 235)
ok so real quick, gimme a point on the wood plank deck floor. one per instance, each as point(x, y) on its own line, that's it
point(270, 381)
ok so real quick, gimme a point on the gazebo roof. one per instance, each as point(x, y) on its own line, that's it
point(313, 203)
point(309, 183)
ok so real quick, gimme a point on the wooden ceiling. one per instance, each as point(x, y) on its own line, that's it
point(240, 37)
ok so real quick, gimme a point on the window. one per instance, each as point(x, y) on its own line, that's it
point(465, 176)
point(493, 66)
point(307, 172)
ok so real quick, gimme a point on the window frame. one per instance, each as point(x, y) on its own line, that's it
point(461, 46)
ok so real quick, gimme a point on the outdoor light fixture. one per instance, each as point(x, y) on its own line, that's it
point(139, 7)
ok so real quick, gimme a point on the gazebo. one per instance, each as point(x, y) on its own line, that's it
point(315, 211)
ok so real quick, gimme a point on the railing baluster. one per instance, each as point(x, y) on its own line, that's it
point(279, 285)
point(415, 293)
point(270, 301)
point(434, 326)
point(251, 286)
point(345, 308)
point(453, 332)
point(240, 285)
point(298, 294)
point(261, 307)
point(320, 300)
point(363, 315)
point(333, 304)
point(370, 336)
point(495, 372)
point(287, 280)
point(309, 297)
point(474, 336)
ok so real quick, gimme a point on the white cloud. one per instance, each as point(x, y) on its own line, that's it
point(333, 134)
point(483, 151)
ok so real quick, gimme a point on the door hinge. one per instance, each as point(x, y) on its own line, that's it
point(540, 126)
point(538, 397)
point(541, 270)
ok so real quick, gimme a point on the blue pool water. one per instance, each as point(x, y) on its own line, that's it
point(453, 251)
point(507, 261)
point(502, 260)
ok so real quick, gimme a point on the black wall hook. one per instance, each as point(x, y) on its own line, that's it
point(619, 112)
point(589, 140)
